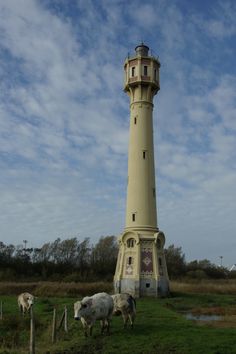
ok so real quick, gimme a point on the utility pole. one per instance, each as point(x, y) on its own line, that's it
point(25, 242)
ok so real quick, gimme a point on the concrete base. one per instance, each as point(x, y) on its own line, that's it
point(143, 287)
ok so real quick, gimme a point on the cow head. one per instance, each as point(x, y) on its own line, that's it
point(81, 308)
point(30, 300)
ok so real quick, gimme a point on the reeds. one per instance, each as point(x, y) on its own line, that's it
point(82, 289)
point(222, 286)
point(55, 288)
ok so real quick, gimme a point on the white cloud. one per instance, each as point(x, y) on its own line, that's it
point(221, 24)
point(64, 120)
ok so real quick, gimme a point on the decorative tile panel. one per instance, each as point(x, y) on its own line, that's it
point(146, 258)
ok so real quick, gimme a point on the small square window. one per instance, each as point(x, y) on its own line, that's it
point(147, 285)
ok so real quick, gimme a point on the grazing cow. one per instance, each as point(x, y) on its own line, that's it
point(92, 308)
point(25, 301)
point(125, 305)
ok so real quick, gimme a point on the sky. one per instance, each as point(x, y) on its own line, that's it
point(64, 120)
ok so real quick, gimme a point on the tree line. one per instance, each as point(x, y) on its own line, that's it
point(67, 260)
point(197, 269)
point(75, 260)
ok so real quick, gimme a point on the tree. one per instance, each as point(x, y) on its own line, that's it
point(175, 260)
point(205, 268)
point(104, 256)
point(83, 255)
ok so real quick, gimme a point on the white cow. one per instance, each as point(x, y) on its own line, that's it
point(92, 308)
point(25, 301)
point(125, 305)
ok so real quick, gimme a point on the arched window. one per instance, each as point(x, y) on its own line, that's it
point(130, 242)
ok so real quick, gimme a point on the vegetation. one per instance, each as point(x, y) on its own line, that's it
point(54, 288)
point(61, 272)
point(72, 260)
point(203, 269)
point(204, 286)
point(160, 327)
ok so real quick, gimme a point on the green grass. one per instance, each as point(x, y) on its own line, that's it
point(159, 328)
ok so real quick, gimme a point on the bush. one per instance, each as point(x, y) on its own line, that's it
point(196, 274)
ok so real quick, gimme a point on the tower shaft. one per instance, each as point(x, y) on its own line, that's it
point(141, 191)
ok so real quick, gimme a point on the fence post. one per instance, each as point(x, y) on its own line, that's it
point(32, 332)
point(1, 308)
point(54, 321)
point(66, 320)
point(61, 321)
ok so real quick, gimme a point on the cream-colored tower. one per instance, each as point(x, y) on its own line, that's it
point(141, 267)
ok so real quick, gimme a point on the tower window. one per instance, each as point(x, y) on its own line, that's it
point(160, 262)
point(144, 154)
point(155, 74)
point(154, 192)
point(145, 70)
point(133, 71)
point(130, 242)
point(135, 120)
point(129, 260)
point(133, 217)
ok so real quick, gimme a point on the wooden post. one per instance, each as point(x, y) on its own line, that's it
point(1, 311)
point(61, 321)
point(54, 322)
point(32, 332)
point(66, 320)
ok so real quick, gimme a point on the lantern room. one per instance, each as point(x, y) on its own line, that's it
point(142, 69)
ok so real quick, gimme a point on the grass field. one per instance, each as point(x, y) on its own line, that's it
point(160, 327)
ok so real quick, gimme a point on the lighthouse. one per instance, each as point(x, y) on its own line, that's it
point(141, 267)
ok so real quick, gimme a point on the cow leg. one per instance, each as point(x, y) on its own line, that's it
point(102, 326)
point(108, 326)
point(125, 319)
point(85, 327)
point(131, 320)
point(90, 330)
